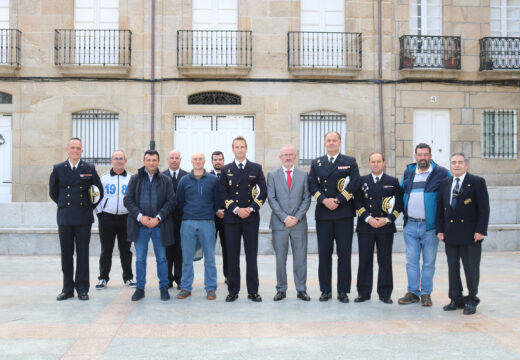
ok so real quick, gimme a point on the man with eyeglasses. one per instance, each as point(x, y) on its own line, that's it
point(112, 216)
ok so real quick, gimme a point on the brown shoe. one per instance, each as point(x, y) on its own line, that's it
point(409, 298)
point(426, 300)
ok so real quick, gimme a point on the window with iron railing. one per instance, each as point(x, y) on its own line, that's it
point(500, 53)
point(313, 127)
point(99, 133)
point(10, 51)
point(425, 51)
point(323, 49)
point(93, 47)
point(499, 134)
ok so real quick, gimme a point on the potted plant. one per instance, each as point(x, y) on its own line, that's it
point(408, 59)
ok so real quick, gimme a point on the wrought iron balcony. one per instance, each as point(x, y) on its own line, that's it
point(10, 51)
point(501, 53)
point(308, 49)
point(214, 48)
point(429, 52)
point(93, 47)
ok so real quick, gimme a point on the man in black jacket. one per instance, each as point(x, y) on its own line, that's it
point(217, 161)
point(150, 201)
point(69, 185)
point(462, 221)
point(378, 203)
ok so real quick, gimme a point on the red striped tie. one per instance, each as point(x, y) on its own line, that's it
point(289, 179)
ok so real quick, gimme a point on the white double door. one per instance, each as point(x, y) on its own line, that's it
point(208, 133)
point(432, 127)
point(6, 149)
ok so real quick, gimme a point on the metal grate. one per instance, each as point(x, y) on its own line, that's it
point(214, 48)
point(324, 49)
point(313, 127)
point(92, 47)
point(423, 51)
point(214, 98)
point(99, 133)
point(499, 134)
point(499, 53)
point(10, 50)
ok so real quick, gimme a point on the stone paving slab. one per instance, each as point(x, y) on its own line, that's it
point(33, 325)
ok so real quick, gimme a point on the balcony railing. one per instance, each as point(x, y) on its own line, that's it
point(10, 51)
point(93, 47)
point(324, 49)
point(431, 52)
point(499, 53)
point(214, 48)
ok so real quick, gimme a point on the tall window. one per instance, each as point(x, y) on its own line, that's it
point(313, 127)
point(505, 18)
point(99, 133)
point(499, 134)
point(426, 17)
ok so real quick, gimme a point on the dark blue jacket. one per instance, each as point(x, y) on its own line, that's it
point(431, 191)
point(198, 199)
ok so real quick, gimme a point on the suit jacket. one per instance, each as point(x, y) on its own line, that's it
point(221, 202)
point(69, 189)
point(471, 213)
point(326, 181)
point(166, 203)
point(242, 188)
point(369, 202)
point(285, 202)
point(177, 212)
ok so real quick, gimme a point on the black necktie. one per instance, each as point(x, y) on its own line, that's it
point(331, 160)
point(218, 175)
point(174, 175)
point(241, 166)
point(377, 179)
point(455, 193)
point(73, 168)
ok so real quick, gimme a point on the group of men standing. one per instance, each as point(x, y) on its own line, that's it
point(181, 211)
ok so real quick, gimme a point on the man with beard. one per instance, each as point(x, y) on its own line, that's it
point(420, 183)
point(217, 160)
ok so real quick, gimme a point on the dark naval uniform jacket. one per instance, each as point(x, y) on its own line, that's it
point(369, 200)
point(327, 180)
point(471, 213)
point(242, 189)
point(69, 189)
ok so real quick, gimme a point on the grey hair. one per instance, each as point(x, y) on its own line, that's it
point(460, 153)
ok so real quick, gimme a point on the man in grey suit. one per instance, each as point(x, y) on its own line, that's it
point(289, 198)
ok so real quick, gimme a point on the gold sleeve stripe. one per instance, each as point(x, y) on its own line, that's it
point(346, 194)
point(259, 202)
point(316, 196)
point(360, 211)
point(228, 202)
point(396, 213)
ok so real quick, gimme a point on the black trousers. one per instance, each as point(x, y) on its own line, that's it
point(219, 231)
point(111, 226)
point(174, 255)
point(340, 230)
point(79, 237)
point(234, 233)
point(470, 256)
point(385, 282)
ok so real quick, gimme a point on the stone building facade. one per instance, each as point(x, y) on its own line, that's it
point(262, 67)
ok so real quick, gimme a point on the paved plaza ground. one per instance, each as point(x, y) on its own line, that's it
point(33, 325)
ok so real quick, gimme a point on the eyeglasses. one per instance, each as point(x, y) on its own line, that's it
point(288, 155)
point(118, 159)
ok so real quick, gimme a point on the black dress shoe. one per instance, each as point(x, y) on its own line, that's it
point(361, 298)
point(453, 305)
point(325, 296)
point(279, 296)
point(83, 296)
point(255, 297)
point(231, 297)
point(138, 294)
point(303, 295)
point(470, 309)
point(386, 300)
point(343, 297)
point(64, 296)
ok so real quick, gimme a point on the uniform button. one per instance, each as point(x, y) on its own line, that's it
point(81, 187)
point(68, 204)
point(237, 185)
point(236, 200)
point(68, 186)
point(325, 181)
point(68, 195)
point(81, 204)
point(325, 189)
point(370, 205)
point(451, 221)
point(370, 198)
point(248, 200)
point(81, 196)
point(237, 192)
point(462, 220)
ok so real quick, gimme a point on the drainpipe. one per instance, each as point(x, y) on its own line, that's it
point(152, 83)
point(380, 75)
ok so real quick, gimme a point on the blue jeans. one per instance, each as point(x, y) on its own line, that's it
point(204, 231)
point(141, 251)
point(418, 240)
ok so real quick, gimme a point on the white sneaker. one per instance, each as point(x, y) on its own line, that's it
point(102, 284)
point(130, 283)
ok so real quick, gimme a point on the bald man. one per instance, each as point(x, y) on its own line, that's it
point(198, 198)
point(173, 252)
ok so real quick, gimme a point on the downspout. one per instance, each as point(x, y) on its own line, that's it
point(380, 75)
point(152, 83)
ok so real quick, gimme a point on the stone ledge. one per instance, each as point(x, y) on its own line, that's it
point(311, 72)
point(8, 70)
point(419, 73)
point(500, 74)
point(94, 70)
point(210, 71)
